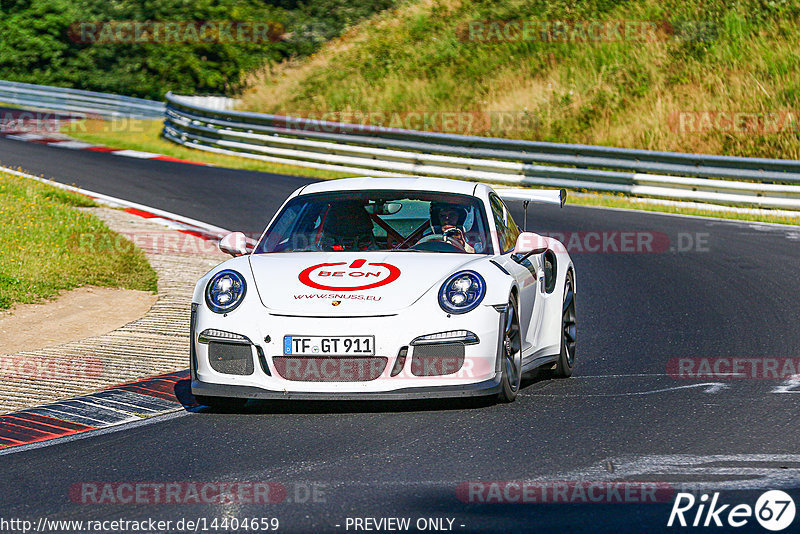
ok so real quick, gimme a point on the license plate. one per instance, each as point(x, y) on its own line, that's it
point(329, 345)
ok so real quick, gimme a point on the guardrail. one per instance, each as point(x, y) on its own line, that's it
point(390, 152)
point(77, 101)
point(206, 124)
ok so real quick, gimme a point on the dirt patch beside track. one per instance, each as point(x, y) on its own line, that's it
point(77, 314)
point(125, 337)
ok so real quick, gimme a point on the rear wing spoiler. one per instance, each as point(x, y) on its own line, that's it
point(541, 196)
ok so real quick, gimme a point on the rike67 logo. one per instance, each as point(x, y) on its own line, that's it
point(356, 276)
point(774, 510)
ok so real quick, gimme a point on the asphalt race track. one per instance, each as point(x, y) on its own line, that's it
point(705, 289)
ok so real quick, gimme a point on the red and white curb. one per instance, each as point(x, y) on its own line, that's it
point(62, 141)
point(173, 221)
point(126, 403)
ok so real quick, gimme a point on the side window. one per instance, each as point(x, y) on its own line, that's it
point(499, 215)
point(512, 230)
point(507, 230)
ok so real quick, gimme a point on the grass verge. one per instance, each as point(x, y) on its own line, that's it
point(614, 201)
point(40, 245)
point(145, 135)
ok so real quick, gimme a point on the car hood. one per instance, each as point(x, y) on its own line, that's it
point(343, 284)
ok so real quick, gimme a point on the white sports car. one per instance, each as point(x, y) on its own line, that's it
point(384, 288)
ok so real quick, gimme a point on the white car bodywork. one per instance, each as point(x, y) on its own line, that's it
point(295, 294)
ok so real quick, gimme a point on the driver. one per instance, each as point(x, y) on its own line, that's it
point(347, 227)
point(448, 219)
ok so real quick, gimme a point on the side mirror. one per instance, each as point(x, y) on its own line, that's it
point(234, 244)
point(529, 243)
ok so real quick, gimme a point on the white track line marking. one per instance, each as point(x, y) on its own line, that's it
point(711, 387)
point(135, 154)
point(76, 145)
point(26, 137)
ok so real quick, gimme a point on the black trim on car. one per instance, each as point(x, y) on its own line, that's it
point(479, 389)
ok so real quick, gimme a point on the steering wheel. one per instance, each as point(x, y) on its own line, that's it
point(442, 238)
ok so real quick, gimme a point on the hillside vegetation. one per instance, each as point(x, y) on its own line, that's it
point(710, 76)
point(93, 44)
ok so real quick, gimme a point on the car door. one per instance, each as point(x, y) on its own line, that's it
point(526, 273)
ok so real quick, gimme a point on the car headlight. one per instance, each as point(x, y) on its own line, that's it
point(462, 292)
point(225, 291)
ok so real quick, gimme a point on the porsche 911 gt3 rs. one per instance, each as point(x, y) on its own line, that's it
point(384, 288)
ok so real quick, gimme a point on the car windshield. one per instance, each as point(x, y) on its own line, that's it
point(381, 221)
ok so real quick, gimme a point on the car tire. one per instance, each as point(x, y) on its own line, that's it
point(566, 360)
point(225, 404)
point(511, 353)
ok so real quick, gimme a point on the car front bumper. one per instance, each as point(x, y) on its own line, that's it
point(478, 375)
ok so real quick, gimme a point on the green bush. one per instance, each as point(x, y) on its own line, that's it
point(39, 45)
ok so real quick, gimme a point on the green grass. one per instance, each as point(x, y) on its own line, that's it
point(708, 55)
point(47, 246)
point(615, 201)
point(146, 136)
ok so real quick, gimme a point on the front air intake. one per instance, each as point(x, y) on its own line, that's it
point(230, 358)
point(437, 360)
